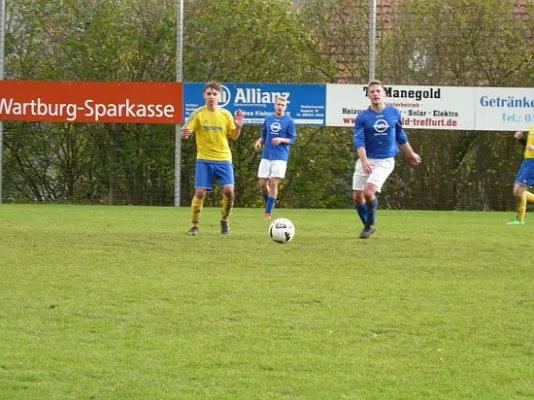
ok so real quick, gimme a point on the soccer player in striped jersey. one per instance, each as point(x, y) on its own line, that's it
point(277, 136)
point(378, 133)
point(213, 126)
point(525, 177)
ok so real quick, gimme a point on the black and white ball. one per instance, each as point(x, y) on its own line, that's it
point(282, 230)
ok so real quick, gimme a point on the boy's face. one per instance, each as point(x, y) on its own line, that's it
point(211, 96)
point(376, 94)
point(280, 107)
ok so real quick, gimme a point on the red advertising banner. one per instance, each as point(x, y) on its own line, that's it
point(93, 102)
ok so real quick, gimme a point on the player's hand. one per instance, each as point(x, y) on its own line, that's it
point(414, 159)
point(276, 141)
point(530, 147)
point(367, 167)
point(518, 135)
point(257, 145)
point(186, 132)
point(238, 118)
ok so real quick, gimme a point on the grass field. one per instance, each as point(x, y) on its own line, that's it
point(117, 303)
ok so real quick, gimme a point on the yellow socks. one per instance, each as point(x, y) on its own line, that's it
point(198, 204)
point(196, 209)
point(522, 206)
point(522, 201)
point(227, 205)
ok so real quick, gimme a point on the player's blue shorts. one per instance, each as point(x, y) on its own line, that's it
point(206, 172)
point(525, 176)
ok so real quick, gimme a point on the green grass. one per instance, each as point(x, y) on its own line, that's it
point(117, 303)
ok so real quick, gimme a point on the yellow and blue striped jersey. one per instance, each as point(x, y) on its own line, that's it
point(212, 129)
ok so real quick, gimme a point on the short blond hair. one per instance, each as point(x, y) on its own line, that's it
point(375, 82)
point(283, 98)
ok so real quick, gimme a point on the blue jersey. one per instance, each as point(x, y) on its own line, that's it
point(379, 133)
point(273, 127)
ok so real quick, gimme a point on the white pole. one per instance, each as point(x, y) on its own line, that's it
point(179, 78)
point(2, 60)
point(372, 39)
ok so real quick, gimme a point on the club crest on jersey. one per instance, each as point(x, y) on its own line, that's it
point(381, 125)
point(276, 128)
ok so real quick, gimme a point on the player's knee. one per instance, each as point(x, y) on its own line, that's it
point(358, 198)
point(518, 191)
point(200, 193)
point(369, 192)
point(273, 184)
point(229, 192)
point(368, 195)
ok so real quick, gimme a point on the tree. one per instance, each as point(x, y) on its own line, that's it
point(97, 40)
point(263, 41)
point(440, 42)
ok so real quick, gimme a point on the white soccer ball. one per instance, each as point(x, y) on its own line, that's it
point(282, 230)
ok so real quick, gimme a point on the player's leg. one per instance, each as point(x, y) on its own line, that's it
point(264, 187)
point(527, 180)
point(381, 171)
point(359, 205)
point(524, 179)
point(371, 203)
point(359, 178)
point(263, 179)
point(203, 182)
point(227, 207)
point(225, 174)
point(278, 172)
point(273, 195)
point(520, 193)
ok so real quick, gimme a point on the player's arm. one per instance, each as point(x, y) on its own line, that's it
point(520, 137)
point(359, 144)
point(291, 135)
point(292, 132)
point(236, 125)
point(411, 155)
point(402, 140)
point(263, 137)
point(190, 124)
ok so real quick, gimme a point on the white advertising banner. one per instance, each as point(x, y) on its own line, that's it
point(504, 109)
point(422, 107)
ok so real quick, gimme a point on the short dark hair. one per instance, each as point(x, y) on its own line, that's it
point(213, 85)
point(375, 82)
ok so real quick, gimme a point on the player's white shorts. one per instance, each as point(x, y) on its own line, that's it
point(272, 169)
point(382, 168)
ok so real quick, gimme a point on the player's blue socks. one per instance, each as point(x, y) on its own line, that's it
point(371, 212)
point(265, 198)
point(270, 205)
point(362, 212)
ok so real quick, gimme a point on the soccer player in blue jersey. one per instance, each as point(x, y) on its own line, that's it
point(213, 126)
point(277, 136)
point(525, 177)
point(378, 133)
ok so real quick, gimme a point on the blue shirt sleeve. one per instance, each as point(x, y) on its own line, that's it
point(264, 131)
point(359, 132)
point(400, 135)
point(292, 131)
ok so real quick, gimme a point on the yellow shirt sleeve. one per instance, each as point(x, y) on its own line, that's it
point(192, 121)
